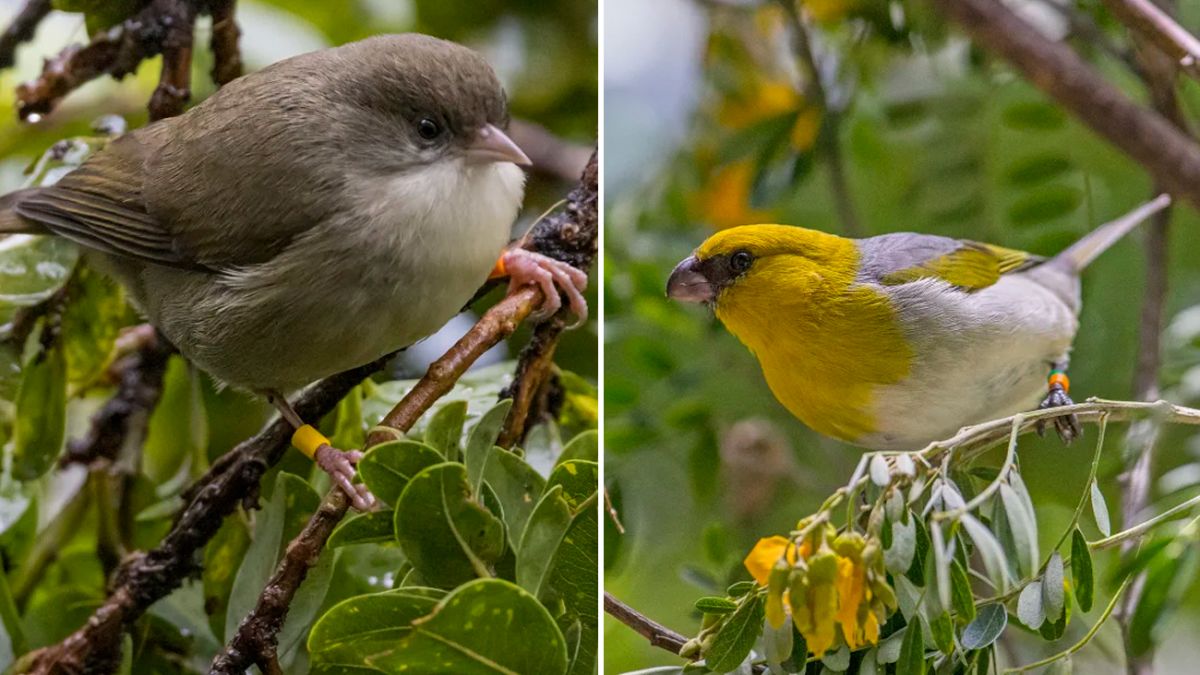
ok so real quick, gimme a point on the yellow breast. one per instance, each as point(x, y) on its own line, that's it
point(824, 344)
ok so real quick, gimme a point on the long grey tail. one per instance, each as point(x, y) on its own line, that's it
point(1080, 254)
point(10, 222)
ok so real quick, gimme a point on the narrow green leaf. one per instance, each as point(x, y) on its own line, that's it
point(964, 600)
point(1053, 591)
point(41, 413)
point(222, 560)
point(916, 573)
point(716, 605)
point(1081, 571)
point(942, 629)
point(1100, 510)
point(1167, 579)
point(482, 439)
point(986, 628)
point(739, 588)
point(444, 432)
point(736, 637)
point(912, 651)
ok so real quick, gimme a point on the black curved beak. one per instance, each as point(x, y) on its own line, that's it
point(688, 284)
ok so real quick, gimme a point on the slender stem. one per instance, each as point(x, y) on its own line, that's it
point(1082, 642)
point(1083, 498)
point(1144, 526)
point(992, 487)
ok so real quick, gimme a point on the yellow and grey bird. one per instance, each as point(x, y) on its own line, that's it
point(895, 341)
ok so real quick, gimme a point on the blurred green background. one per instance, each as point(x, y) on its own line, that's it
point(709, 125)
point(546, 55)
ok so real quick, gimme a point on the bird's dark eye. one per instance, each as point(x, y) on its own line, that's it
point(740, 261)
point(428, 129)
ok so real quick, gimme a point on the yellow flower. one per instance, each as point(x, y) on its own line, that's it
point(851, 580)
point(765, 554)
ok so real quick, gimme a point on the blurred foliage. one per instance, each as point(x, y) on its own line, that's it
point(934, 136)
point(63, 529)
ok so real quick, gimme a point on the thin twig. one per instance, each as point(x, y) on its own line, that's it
point(1160, 28)
point(655, 633)
point(22, 28)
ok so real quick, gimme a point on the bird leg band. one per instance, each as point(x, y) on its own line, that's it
point(1059, 378)
point(307, 440)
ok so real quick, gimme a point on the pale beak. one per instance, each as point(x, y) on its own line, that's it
point(687, 284)
point(493, 145)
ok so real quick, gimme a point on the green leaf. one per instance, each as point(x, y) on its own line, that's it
point(1035, 169)
point(222, 558)
point(1044, 204)
point(986, 628)
point(963, 599)
point(912, 651)
point(177, 434)
point(578, 478)
point(585, 446)
point(571, 580)
point(736, 636)
point(1100, 510)
point(445, 533)
point(482, 439)
point(517, 485)
point(445, 429)
point(484, 627)
point(373, 527)
point(740, 588)
point(1030, 610)
point(91, 321)
point(716, 605)
point(1062, 666)
point(916, 572)
point(350, 431)
point(1081, 571)
point(1023, 529)
point(1053, 591)
point(837, 660)
point(293, 501)
point(99, 14)
point(367, 624)
point(388, 467)
point(41, 410)
point(942, 629)
point(10, 618)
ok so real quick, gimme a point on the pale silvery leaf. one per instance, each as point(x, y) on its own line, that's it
point(1053, 593)
point(989, 549)
point(898, 558)
point(880, 474)
point(905, 465)
point(1100, 510)
point(1023, 528)
point(1030, 610)
point(941, 566)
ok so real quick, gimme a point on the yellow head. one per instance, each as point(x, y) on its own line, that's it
point(789, 294)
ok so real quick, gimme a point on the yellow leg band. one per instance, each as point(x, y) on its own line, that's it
point(307, 440)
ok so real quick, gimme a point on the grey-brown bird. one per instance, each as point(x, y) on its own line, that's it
point(310, 217)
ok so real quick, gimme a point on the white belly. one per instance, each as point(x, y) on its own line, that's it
point(979, 357)
point(349, 291)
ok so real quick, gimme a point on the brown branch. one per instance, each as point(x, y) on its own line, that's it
point(148, 577)
point(161, 27)
point(21, 29)
point(655, 633)
point(534, 368)
point(1169, 155)
point(1156, 25)
point(570, 237)
point(227, 58)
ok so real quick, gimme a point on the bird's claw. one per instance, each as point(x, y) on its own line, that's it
point(1067, 426)
point(340, 467)
point(554, 277)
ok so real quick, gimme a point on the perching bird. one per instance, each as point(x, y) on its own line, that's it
point(895, 341)
point(309, 217)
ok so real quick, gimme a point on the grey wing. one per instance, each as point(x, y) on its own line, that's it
point(887, 254)
point(900, 258)
point(191, 192)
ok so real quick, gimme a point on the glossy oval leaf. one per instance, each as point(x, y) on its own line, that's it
point(484, 627)
point(518, 487)
point(373, 527)
point(367, 624)
point(388, 467)
point(447, 535)
point(579, 480)
point(445, 429)
point(585, 446)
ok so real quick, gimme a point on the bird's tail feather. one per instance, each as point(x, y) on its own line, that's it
point(10, 222)
point(1080, 254)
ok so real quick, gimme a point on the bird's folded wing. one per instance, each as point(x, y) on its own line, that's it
point(101, 206)
point(902, 258)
